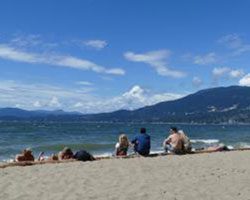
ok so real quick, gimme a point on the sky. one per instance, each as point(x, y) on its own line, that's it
point(96, 56)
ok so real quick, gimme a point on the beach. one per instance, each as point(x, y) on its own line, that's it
point(222, 175)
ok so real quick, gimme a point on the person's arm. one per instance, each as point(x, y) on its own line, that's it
point(60, 156)
point(134, 141)
point(116, 148)
point(167, 141)
point(32, 158)
point(17, 158)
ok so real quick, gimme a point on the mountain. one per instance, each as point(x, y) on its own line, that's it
point(17, 113)
point(215, 105)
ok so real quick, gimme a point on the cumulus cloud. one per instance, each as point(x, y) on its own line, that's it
point(37, 104)
point(53, 97)
point(96, 44)
point(245, 81)
point(235, 43)
point(138, 97)
point(237, 73)
point(33, 96)
point(197, 82)
point(227, 72)
point(54, 102)
point(207, 59)
point(157, 60)
point(10, 53)
point(220, 71)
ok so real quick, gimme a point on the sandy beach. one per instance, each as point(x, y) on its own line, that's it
point(223, 175)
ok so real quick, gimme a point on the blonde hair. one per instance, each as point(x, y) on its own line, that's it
point(123, 140)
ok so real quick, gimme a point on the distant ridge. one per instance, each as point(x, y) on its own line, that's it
point(20, 113)
point(214, 105)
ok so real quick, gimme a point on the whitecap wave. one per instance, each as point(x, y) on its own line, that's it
point(243, 145)
point(208, 141)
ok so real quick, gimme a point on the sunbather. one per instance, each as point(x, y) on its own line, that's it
point(26, 155)
point(65, 154)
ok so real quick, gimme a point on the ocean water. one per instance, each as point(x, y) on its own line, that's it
point(100, 138)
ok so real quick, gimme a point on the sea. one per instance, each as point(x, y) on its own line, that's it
point(100, 138)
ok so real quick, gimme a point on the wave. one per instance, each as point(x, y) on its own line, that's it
point(242, 145)
point(208, 141)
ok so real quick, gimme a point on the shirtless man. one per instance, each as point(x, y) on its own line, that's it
point(174, 143)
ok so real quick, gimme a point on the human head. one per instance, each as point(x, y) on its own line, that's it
point(54, 157)
point(143, 130)
point(27, 151)
point(123, 140)
point(173, 130)
point(67, 151)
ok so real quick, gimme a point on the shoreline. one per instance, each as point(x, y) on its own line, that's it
point(130, 122)
point(99, 158)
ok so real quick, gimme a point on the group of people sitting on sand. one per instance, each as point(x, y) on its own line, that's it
point(176, 143)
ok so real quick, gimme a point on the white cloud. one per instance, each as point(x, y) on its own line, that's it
point(237, 73)
point(197, 82)
point(49, 97)
point(138, 97)
point(86, 83)
point(220, 71)
point(37, 104)
point(54, 102)
point(235, 43)
point(78, 105)
point(227, 72)
point(231, 41)
point(157, 60)
point(207, 59)
point(245, 81)
point(31, 41)
point(96, 44)
point(11, 53)
point(32, 96)
point(26, 40)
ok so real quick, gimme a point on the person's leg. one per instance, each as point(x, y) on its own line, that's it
point(168, 148)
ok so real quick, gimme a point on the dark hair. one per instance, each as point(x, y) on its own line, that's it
point(174, 129)
point(143, 130)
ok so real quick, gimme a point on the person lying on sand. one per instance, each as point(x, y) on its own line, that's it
point(121, 147)
point(26, 155)
point(83, 155)
point(174, 143)
point(220, 147)
point(142, 143)
point(42, 157)
point(65, 154)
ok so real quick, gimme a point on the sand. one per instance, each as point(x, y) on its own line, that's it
point(222, 175)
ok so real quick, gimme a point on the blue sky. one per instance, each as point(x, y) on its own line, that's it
point(99, 56)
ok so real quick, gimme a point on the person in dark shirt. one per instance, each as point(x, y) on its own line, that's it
point(141, 143)
point(83, 155)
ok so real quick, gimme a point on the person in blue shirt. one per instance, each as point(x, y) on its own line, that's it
point(141, 143)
